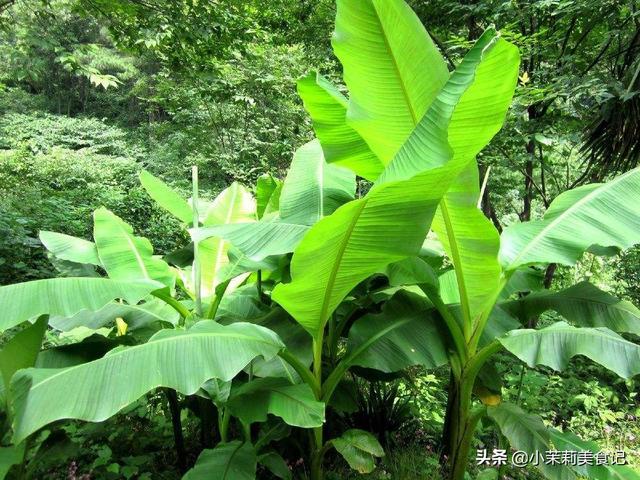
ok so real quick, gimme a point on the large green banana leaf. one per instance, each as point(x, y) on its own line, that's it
point(314, 188)
point(359, 449)
point(527, 433)
point(72, 249)
point(411, 271)
point(66, 297)
point(256, 240)
point(136, 316)
point(391, 67)
point(178, 359)
point(166, 197)
point(228, 461)
point(604, 214)
point(469, 238)
point(125, 256)
point(295, 404)
point(235, 204)
point(583, 304)
point(341, 144)
point(390, 223)
point(403, 335)
point(554, 346)
point(273, 462)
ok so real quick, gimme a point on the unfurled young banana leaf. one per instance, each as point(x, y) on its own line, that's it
point(392, 220)
point(392, 69)
point(341, 144)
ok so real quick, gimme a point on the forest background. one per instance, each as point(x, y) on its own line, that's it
point(94, 91)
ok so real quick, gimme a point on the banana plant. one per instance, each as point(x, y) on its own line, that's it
point(393, 96)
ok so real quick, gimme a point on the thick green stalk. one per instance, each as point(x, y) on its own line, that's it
point(197, 278)
point(316, 461)
point(451, 323)
point(461, 455)
point(172, 302)
point(301, 370)
point(223, 423)
point(463, 421)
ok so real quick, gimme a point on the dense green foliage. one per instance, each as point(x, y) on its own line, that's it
point(282, 258)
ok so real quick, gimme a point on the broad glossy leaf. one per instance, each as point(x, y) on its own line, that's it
point(178, 359)
point(390, 223)
point(72, 249)
point(526, 432)
point(295, 404)
point(554, 346)
point(391, 67)
point(583, 304)
point(241, 305)
point(240, 263)
point(567, 441)
point(228, 461)
point(66, 297)
point(136, 316)
point(268, 191)
point(403, 335)
point(523, 280)
point(21, 351)
point(166, 197)
point(313, 188)
point(469, 238)
point(604, 214)
point(341, 144)
point(411, 271)
point(256, 240)
point(275, 464)
point(359, 449)
point(125, 256)
point(235, 204)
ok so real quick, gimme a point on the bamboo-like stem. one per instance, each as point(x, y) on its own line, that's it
point(223, 423)
point(318, 454)
point(172, 302)
point(197, 277)
point(301, 370)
